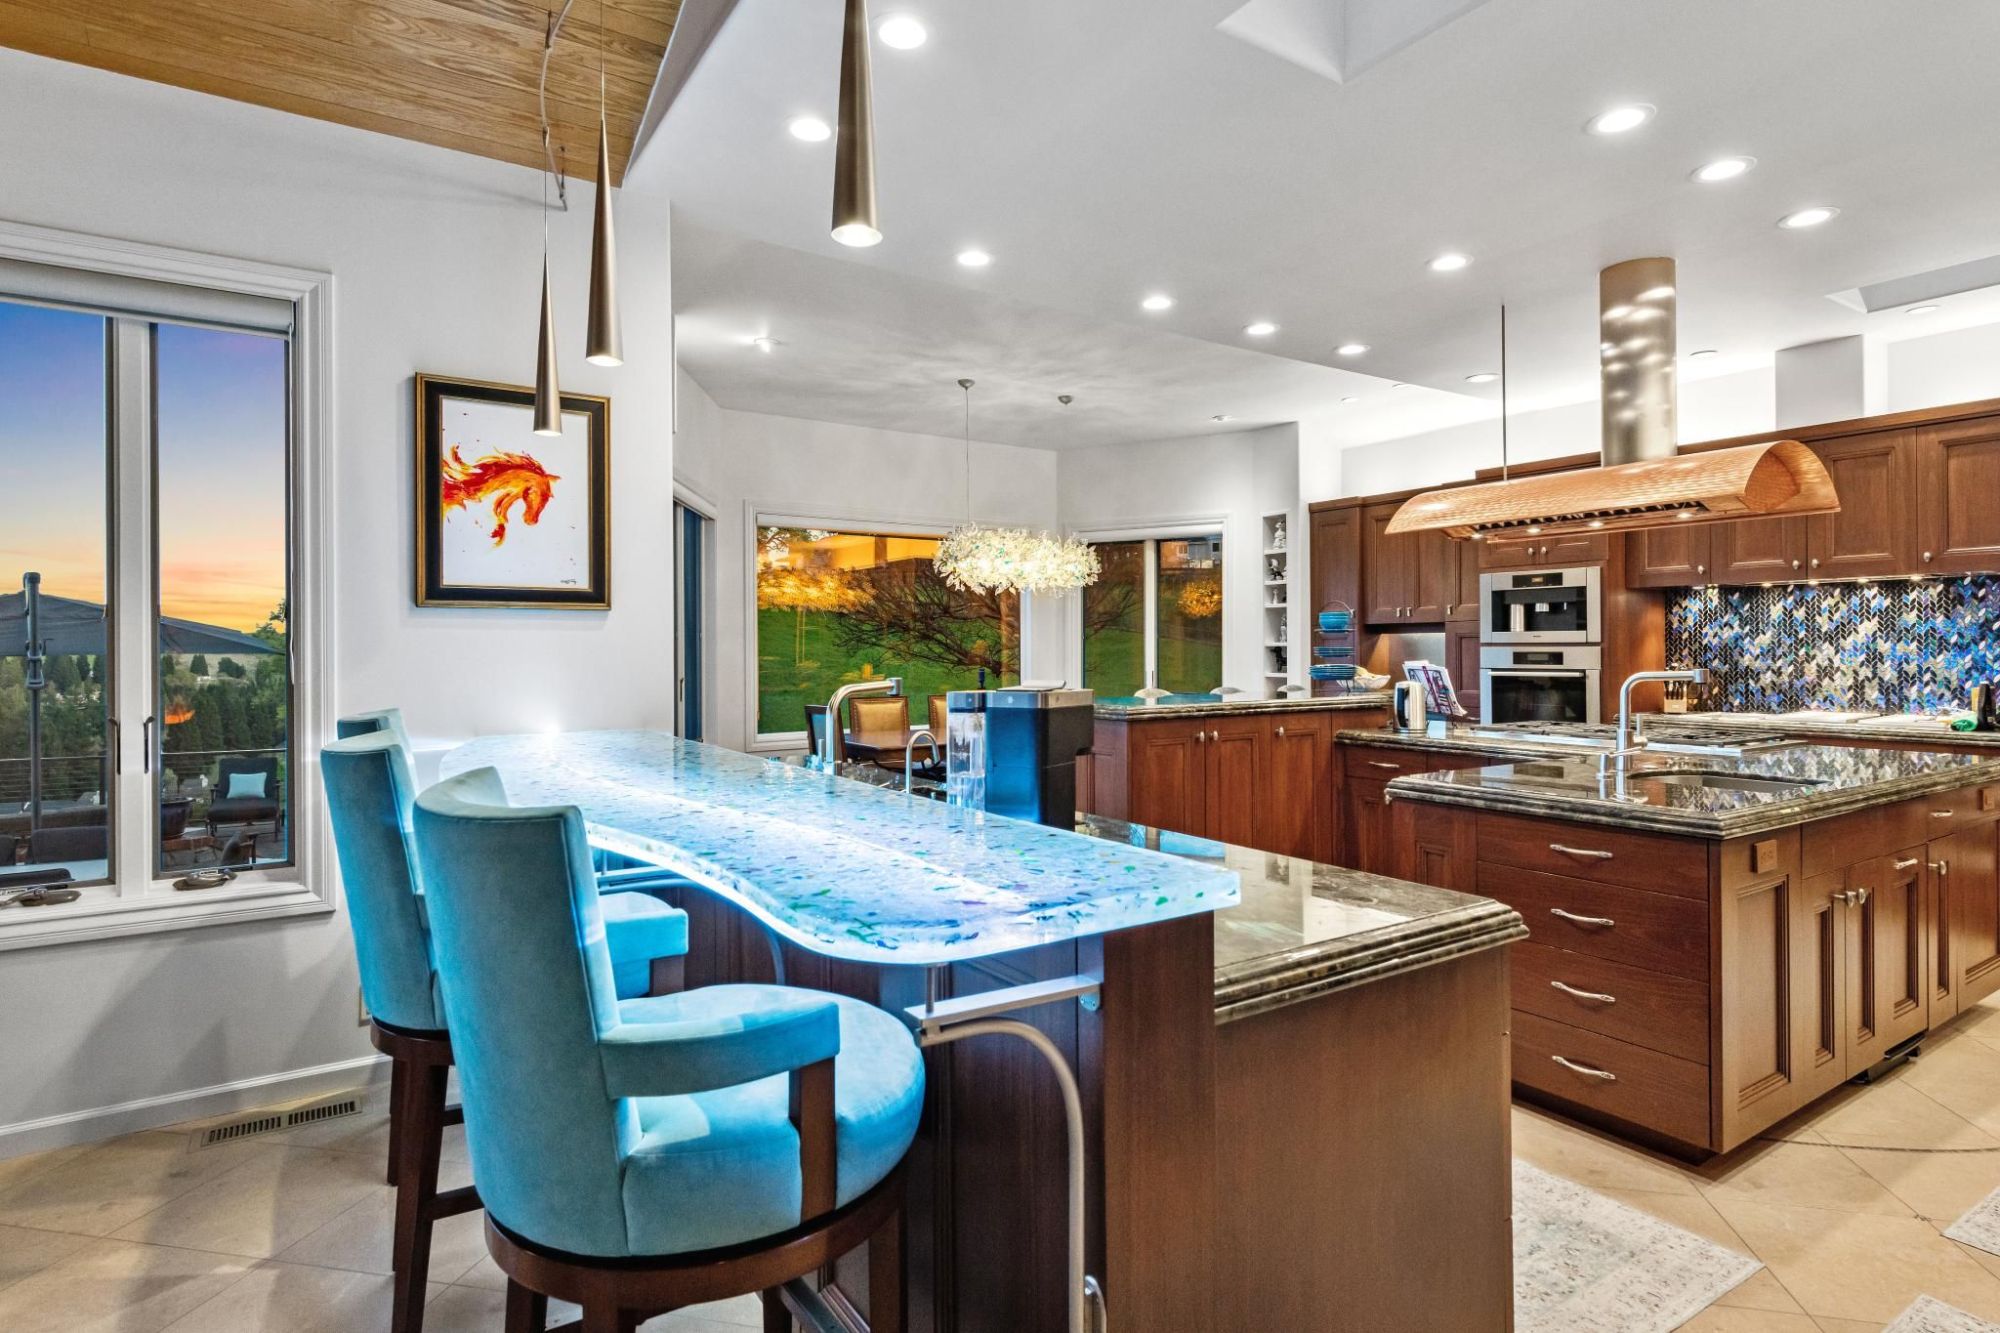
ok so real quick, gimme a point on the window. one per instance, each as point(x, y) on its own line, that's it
point(1155, 614)
point(835, 606)
point(148, 681)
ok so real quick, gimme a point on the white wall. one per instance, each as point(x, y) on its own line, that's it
point(1235, 478)
point(748, 463)
point(1957, 367)
point(434, 256)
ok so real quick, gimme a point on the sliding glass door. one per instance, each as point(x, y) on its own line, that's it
point(1154, 614)
point(691, 606)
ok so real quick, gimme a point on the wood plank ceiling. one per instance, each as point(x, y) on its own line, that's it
point(457, 73)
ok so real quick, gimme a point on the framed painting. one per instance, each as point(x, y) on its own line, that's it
point(506, 517)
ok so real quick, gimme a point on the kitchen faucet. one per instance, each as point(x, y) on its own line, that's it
point(834, 748)
point(1628, 742)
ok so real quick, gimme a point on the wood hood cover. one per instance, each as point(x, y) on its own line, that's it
point(1748, 481)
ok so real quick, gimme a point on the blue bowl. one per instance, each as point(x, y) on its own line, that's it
point(1334, 622)
point(1332, 671)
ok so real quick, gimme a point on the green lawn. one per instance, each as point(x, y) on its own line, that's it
point(800, 662)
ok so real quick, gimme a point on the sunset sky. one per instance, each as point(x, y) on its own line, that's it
point(221, 464)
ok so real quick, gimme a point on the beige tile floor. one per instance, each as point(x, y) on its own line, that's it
point(1846, 1205)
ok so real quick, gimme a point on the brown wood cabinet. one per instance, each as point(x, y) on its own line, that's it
point(1958, 497)
point(1758, 550)
point(1875, 533)
point(1416, 578)
point(1570, 549)
point(1268, 781)
point(1673, 557)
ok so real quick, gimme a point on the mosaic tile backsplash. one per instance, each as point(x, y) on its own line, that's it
point(1893, 647)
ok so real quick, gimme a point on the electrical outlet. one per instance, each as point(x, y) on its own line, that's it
point(361, 1009)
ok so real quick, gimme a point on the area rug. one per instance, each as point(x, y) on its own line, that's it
point(1584, 1263)
point(1927, 1314)
point(1980, 1227)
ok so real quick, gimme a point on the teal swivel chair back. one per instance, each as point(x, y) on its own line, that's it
point(369, 789)
point(388, 720)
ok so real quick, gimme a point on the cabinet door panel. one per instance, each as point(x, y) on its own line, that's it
point(1465, 601)
point(1387, 569)
point(1759, 550)
point(1293, 814)
point(1676, 557)
point(1942, 965)
point(1234, 754)
point(1367, 826)
point(1874, 534)
point(1507, 555)
point(1818, 987)
point(1436, 577)
point(1972, 892)
point(1959, 497)
point(1888, 928)
point(1461, 658)
point(1576, 549)
point(1168, 777)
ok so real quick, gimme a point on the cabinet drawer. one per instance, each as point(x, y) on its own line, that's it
point(1645, 1087)
point(1947, 810)
point(1378, 764)
point(1608, 856)
point(1655, 931)
point(1650, 1009)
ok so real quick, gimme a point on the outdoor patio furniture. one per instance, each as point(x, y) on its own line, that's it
point(48, 845)
point(257, 805)
point(815, 728)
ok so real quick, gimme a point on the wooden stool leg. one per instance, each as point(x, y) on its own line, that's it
point(777, 1319)
point(397, 1078)
point(527, 1311)
point(603, 1317)
point(416, 1192)
point(885, 1276)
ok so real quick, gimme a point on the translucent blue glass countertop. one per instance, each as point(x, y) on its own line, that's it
point(840, 867)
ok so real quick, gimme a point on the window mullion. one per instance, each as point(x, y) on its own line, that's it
point(130, 617)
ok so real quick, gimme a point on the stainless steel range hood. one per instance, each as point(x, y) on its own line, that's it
point(1644, 481)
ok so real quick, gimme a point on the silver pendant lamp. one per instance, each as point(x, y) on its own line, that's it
point(854, 219)
point(605, 345)
point(548, 391)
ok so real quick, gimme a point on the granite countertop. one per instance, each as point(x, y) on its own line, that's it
point(1302, 929)
point(1452, 738)
point(1849, 726)
point(1207, 705)
point(1836, 780)
point(844, 868)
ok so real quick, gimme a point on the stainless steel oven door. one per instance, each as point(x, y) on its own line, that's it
point(1541, 606)
point(1538, 694)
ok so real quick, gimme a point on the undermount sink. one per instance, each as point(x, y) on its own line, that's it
point(1731, 781)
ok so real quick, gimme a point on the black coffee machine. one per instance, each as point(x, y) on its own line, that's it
point(1026, 754)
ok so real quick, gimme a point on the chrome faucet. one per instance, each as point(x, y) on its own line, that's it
point(929, 738)
point(835, 747)
point(1629, 742)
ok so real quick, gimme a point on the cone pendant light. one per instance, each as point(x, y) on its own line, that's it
point(854, 220)
point(605, 345)
point(548, 394)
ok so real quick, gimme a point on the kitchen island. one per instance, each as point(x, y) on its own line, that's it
point(1270, 1039)
point(1716, 939)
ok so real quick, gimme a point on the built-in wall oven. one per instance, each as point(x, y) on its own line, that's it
point(1539, 684)
point(1541, 606)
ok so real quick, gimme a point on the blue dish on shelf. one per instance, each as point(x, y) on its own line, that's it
point(1332, 671)
point(1336, 622)
point(1333, 651)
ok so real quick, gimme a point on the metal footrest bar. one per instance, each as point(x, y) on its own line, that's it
point(812, 1310)
point(941, 1021)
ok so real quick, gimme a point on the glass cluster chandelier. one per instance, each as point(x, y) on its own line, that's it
point(976, 558)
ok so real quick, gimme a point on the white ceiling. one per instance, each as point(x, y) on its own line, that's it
point(1107, 149)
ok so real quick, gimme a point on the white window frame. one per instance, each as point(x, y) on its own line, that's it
point(1152, 534)
point(756, 516)
point(141, 901)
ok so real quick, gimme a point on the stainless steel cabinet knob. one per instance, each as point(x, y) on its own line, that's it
point(1795, 564)
point(1929, 556)
point(1281, 730)
point(1815, 562)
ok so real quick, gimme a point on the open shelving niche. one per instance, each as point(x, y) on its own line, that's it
point(1275, 567)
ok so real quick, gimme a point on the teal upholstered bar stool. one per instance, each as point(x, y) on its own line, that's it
point(640, 1156)
point(369, 787)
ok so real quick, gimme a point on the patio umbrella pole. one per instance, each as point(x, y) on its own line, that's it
point(37, 681)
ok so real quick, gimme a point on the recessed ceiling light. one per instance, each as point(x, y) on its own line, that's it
point(1483, 377)
point(810, 128)
point(1351, 349)
point(1222, 416)
point(763, 344)
point(974, 258)
point(1350, 399)
point(1262, 328)
point(1723, 169)
point(1450, 262)
point(1808, 217)
point(1706, 351)
point(1928, 309)
point(1157, 302)
point(1620, 119)
point(903, 32)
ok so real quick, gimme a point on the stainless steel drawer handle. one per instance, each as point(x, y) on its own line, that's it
point(1383, 763)
point(1598, 996)
point(1855, 897)
point(1943, 868)
point(1604, 921)
point(1943, 814)
point(1587, 853)
point(1585, 1070)
point(1908, 861)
